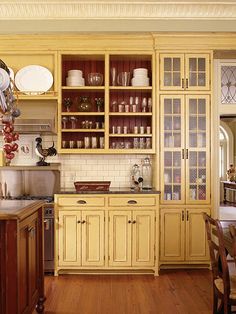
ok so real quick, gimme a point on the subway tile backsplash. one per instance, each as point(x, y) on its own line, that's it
point(80, 167)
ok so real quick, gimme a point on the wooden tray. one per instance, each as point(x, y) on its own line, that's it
point(92, 185)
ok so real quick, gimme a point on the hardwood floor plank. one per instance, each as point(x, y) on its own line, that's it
point(173, 292)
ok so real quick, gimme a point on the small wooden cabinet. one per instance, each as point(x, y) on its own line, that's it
point(131, 238)
point(81, 238)
point(119, 233)
point(119, 115)
point(190, 71)
point(183, 236)
point(21, 257)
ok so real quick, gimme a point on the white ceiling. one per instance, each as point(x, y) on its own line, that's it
point(34, 16)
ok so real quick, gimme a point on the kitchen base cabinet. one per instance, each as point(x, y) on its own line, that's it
point(81, 238)
point(183, 236)
point(118, 235)
point(21, 260)
point(131, 238)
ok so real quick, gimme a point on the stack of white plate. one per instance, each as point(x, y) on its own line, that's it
point(140, 77)
point(75, 78)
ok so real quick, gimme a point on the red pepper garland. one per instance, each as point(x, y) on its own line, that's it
point(9, 112)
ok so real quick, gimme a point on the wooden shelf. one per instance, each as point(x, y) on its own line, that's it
point(147, 114)
point(93, 88)
point(83, 130)
point(65, 113)
point(130, 87)
point(130, 135)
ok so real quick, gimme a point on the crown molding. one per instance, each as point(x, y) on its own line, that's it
point(144, 10)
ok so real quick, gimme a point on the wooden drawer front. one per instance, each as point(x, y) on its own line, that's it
point(132, 201)
point(81, 201)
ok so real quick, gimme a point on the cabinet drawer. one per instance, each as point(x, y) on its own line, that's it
point(132, 201)
point(81, 201)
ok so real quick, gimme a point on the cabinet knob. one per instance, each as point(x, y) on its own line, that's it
point(134, 222)
point(129, 221)
point(182, 83)
point(132, 202)
point(83, 221)
point(186, 83)
point(81, 202)
point(78, 222)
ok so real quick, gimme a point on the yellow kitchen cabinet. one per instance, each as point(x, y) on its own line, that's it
point(183, 236)
point(185, 149)
point(131, 238)
point(81, 238)
point(188, 72)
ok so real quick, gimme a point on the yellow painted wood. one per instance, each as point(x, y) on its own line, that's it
point(172, 239)
point(69, 238)
point(196, 241)
point(198, 150)
point(82, 201)
point(176, 67)
point(172, 149)
point(132, 201)
point(188, 69)
point(93, 238)
point(143, 238)
point(120, 238)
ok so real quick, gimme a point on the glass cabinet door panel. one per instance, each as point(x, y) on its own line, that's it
point(171, 71)
point(197, 146)
point(172, 164)
point(197, 71)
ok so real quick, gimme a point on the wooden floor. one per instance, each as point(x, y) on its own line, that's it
point(173, 292)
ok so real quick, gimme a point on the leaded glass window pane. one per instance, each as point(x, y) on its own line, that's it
point(228, 84)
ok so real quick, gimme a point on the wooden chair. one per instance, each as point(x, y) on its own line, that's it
point(224, 286)
point(232, 230)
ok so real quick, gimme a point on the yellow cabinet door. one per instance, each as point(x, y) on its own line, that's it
point(196, 242)
point(143, 232)
point(197, 149)
point(120, 225)
point(197, 72)
point(69, 235)
point(172, 71)
point(92, 225)
point(172, 235)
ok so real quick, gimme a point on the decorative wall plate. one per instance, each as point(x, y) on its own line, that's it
point(33, 80)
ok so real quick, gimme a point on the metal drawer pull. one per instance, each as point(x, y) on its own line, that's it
point(132, 202)
point(81, 202)
point(46, 224)
point(31, 231)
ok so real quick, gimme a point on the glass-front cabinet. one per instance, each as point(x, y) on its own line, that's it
point(185, 149)
point(106, 103)
point(184, 72)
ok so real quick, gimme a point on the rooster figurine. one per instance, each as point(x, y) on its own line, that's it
point(42, 153)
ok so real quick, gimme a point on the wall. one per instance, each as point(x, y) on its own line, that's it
point(114, 168)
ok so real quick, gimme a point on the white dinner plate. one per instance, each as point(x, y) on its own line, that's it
point(33, 80)
point(4, 80)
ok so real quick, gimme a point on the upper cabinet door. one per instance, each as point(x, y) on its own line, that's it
point(171, 71)
point(172, 148)
point(197, 149)
point(187, 72)
point(197, 72)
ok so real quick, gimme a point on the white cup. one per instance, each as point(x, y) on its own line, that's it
point(135, 129)
point(141, 129)
point(94, 142)
point(148, 130)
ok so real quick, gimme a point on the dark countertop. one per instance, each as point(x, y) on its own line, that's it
point(111, 191)
point(18, 209)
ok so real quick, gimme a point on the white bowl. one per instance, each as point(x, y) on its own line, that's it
point(141, 71)
point(140, 82)
point(71, 81)
point(76, 73)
